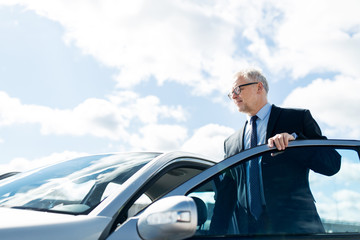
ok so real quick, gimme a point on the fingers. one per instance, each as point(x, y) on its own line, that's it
point(281, 141)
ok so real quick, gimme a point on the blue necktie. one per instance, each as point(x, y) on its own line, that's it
point(254, 178)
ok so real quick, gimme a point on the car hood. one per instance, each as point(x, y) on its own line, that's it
point(28, 224)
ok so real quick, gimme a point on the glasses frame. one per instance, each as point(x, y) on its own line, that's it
point(237, 90)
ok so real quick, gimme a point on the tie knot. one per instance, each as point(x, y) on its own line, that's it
point(253, 118)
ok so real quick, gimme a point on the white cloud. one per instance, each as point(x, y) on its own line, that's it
point(307, 36)
point(349, 174)
point(337, 197)
point(170, 40)
point(342, 205)
point(208, 140)
point(156, 137)
point(333, 102)
point(109, 118)
point(201, 44)
point(23, 164)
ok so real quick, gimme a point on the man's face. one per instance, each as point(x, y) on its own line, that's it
point(246, 100)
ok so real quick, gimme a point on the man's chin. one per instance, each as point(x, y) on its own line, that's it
point(240, 108)
point(243, 110)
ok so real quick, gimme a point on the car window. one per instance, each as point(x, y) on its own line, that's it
point(159, 185)
point(140, 203)
point(166, 182)
point(338, 197)
point(75, 186)
point(304, 190)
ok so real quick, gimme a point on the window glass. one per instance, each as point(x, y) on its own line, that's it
point(338, 197)
point(142, 202)
point(161, 184)
point(75, 186)
point(304, 190)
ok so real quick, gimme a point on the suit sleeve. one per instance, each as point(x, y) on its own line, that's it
point(311, 129)
point(325, 161)
point(225, 151)
point(232, 145)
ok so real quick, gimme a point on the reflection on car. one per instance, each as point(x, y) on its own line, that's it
point(185, 196)
point(8, 174)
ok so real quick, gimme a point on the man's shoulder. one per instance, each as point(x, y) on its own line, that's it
point(289, 110)
point(234, 136)
point(232, 144)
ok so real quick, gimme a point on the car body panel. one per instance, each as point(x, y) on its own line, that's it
point(19, 224)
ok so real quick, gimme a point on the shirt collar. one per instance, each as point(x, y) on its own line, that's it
point(263, 112)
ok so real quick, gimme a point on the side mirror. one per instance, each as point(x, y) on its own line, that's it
point(169, 218)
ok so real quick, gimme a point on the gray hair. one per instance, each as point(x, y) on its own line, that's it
point(253, 75)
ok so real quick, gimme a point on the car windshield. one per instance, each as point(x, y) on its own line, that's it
point(75, 186)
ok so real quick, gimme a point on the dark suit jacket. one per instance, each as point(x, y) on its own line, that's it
point(289, 202)
point(281, 120)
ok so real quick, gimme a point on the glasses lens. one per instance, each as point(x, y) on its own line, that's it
point(237, 90)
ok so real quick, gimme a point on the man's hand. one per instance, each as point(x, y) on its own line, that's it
point(281, 140)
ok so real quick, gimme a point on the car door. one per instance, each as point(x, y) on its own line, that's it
point(310, 190)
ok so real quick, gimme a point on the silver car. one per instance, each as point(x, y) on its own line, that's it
point(89, 197)
point(146, 196)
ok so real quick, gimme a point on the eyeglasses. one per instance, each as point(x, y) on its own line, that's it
point(237, 90)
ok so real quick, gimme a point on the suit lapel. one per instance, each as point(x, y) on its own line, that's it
point(274, 115)
point(241, 138)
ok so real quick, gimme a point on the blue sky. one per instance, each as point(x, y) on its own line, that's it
point(83, 77)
